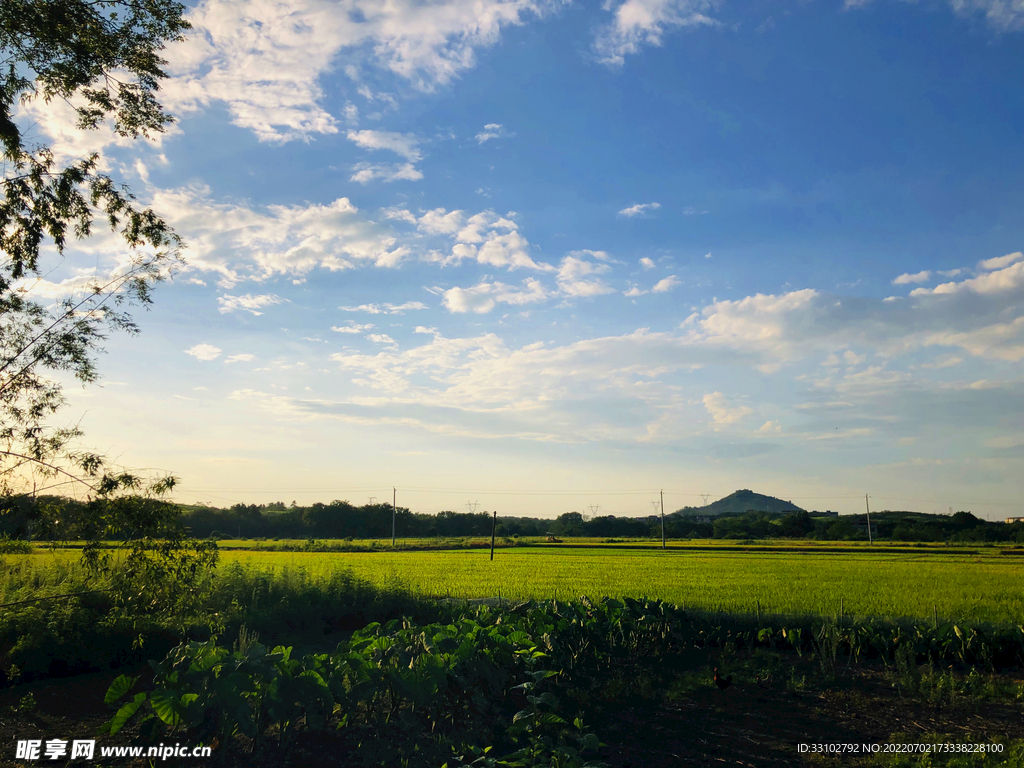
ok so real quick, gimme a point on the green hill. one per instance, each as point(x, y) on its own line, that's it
point(738, 503)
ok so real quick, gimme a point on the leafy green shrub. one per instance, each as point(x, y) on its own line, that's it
point(9, 546)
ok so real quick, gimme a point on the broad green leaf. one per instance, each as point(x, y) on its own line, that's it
point(125, 713)
point(167, 706)
point(119, 688)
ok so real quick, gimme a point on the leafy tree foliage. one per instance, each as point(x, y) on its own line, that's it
point(103, 58)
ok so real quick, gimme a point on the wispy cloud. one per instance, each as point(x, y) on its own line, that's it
point(493, 131)
point(249, 302)
point(353, 328)
point(917, 277)
point(483, 297)
point(579, 277)
point(404, 144)
point(640, 209)
point(1000, 14)
point(364, 173)
point(386, 309)
point(721, 411)
point(264, 61)
point(637, 23)
point(666, 284)
point(205, 352)
point(999, 262)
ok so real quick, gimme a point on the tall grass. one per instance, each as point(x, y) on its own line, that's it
point(58, 619)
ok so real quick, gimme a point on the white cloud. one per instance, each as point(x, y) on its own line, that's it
point(639, 209)
point(58, 121)
point(577, 277)
point(485, 237)
point(397, 213)
point(243, 358)
point(403, 144)
point(644, 22)
point(386, 309)
point(950, 272)
point(364, 173)
point(241, 242)
point(482, 298)
point(492, 131)
point(635, 291)
point(999, 262)
point(40, 288)
point(248, 302)
point(380, 338)
point(370, 95)
point(983, 316)
point(352, 328)
point(917, 277)
point(1007, 279)
point(721, 412)
point(599, 255)
point(439, 221)
point(645, 386)
point(666, 284)
point(647, 263)
point(264, 59)
point(205, 352)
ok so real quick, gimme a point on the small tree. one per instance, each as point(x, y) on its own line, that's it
point(101, 57)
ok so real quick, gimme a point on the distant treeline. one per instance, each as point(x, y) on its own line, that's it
point(52, 518)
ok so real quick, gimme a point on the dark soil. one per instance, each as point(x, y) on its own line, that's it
point(754, 725)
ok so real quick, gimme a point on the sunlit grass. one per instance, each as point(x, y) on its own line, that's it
point(978, 584)
point(970, 587)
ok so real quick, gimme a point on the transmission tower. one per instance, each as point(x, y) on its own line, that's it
point(372, 499)
point(594, 509)
point(472, 505)
point(705, 496)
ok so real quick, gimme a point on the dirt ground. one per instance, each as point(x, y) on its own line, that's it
point(750, 725)
point(757, 725)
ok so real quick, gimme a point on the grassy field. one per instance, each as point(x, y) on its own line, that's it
point(960, 584)
point(974, 585)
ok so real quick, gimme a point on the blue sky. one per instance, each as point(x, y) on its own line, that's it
point(550, 256)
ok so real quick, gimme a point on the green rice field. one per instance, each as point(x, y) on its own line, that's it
point(970, 586)
point(983, 584)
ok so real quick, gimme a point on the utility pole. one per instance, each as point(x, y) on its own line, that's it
point(394, 513)
point(663, 519)
point(494, 525)
point(868, 507)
